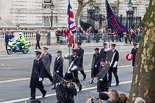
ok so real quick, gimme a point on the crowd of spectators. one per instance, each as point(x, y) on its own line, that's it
point(104, 34)
point(113, 97)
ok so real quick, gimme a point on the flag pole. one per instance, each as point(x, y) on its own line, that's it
point(69, 37)
point(107, 22)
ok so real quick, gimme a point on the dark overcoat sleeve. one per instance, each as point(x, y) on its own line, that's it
point(42, 69)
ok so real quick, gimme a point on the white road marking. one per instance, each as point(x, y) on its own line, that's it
point(14, 80)
point(54, 94)
point(30, 55)
point(23, 79)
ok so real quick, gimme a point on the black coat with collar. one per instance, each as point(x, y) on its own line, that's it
point(115, 57)
point(102, 86)
point(133, 52)
point(38, 37)
point(58, 66)
point(96, 61)
point(37, 72)
point(103, 53)
point(65, 94)
point(80, 54)
point(76, 60)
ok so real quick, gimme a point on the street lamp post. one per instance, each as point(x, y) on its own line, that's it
point(130, 15)
point(52, 7)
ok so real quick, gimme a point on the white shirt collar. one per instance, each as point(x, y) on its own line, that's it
point(38, 59)
point(103, 65)
point(45, 53)
point(113, 50)
point(58, 57)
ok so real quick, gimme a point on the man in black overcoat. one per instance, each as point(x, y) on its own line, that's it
point(58, 68)
point(133, 52)
point(37, 76)
point(102, 52)
point(7, 37)
point(38, 36)
point(95, 64)
point(80, 54)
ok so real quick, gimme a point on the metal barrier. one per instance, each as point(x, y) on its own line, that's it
point(96, 37)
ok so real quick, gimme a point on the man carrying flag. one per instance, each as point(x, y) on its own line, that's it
point(73, 59)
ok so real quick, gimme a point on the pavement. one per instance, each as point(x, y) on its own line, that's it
point(15, 71)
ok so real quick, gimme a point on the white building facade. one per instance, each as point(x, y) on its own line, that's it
point(38, 13)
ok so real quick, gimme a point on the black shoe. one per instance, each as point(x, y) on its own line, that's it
point(117, 84)
point(53, 88)
point(84, 77)
point(109, 84)
point(44, 94)
point(80, 87)
point(39, 48)
point(91, 82)
point(31, 98)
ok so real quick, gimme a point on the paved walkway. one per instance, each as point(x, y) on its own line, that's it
point(85, 45)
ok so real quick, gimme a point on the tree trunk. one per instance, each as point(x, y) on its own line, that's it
point(78, 14)
point(143, 82)
point(81, 5)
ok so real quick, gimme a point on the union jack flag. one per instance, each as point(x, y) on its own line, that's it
point(71, 28)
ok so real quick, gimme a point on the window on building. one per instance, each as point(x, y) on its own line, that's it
point(126, 0)
point(47, 1)
point(114, 10)
point(135, 11)
point(46, 21)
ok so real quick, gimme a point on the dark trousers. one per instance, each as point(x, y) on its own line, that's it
point(114, 71)
point(6, 45)
point(33, 91)
point(38, 44)
point(48, 41)
point(20, 45)
point(83, 73)
point(76, 78)
point(47, 75)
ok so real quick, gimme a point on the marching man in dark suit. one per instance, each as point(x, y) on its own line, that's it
point(102, 84)
point(58, 68)
point(95, 64)
point(37, 76)
point(113, 65)
point(133, 52)
point(38, 36)
point(102, 52)
point(80, 54)
point(75, 60)
point(7, 37)
point(47, 59)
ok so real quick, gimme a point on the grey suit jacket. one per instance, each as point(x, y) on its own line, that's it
point(47, 59)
